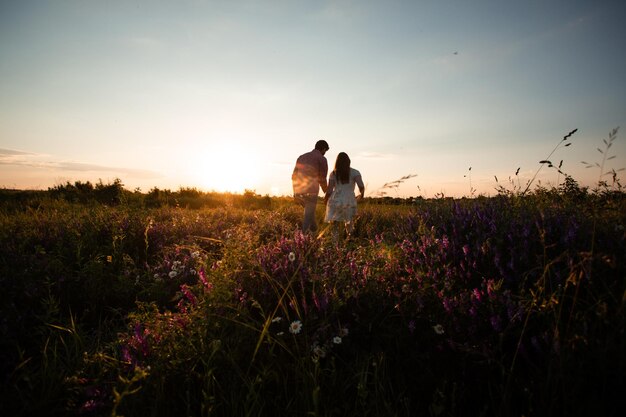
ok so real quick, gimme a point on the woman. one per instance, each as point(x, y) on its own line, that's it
point(340, 198)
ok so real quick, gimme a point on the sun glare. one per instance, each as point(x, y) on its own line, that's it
point(227, 168)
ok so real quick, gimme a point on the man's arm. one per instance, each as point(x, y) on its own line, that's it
point(295, 180)
point(323, 171)
point(331, 187)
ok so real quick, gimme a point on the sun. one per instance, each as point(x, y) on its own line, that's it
point(228, 167)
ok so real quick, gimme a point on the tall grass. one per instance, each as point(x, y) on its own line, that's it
point(484, 306)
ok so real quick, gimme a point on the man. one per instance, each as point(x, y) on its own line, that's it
point(308, 177)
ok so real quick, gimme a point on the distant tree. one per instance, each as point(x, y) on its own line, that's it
point(572, 190)
point(109, 193)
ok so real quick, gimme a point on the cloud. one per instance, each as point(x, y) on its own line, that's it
point(146, 43)
point(332, 12)
point(375, 156)
point(4, 152)
point(15, 157)
point(37, 161)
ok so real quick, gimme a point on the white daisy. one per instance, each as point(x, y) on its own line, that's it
point(295, 327)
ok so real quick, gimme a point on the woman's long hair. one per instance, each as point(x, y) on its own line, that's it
point(342, 168)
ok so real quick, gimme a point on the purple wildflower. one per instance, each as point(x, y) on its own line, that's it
point(411, 326)
point(207, 285)
point(188, 294)
point(496, 323)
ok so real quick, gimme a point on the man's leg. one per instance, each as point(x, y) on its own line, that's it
point(309, 223)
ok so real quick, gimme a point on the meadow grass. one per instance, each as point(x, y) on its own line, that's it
point(486, 306)
point(184, 303)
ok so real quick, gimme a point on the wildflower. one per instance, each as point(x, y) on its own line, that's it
point(277, 319)
point(295, 327)
point(207, 285)
point(109, 258)
point(172, 274)
point(195, 254)
point(319, 351)
point(292, 256)
point(343, 332)
point(280, 333)
point(126, 356)
point(438, 328)
point(411, 326)
point(337, 340)
point(496, 323)
point(89, 406)
point(188, 294)
point(139, 339)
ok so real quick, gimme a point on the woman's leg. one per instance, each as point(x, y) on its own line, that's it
point(349, 227)
point(332, 230)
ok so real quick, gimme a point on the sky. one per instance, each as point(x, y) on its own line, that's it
point(225, 95)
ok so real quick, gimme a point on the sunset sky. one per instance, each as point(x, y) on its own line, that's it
point(224, 95)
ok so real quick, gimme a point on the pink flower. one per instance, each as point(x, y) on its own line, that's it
point(208, 286)
point(188, 294)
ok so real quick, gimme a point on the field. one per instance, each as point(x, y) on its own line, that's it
point(172, 304)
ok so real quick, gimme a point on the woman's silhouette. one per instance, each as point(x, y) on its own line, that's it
point(341, 203)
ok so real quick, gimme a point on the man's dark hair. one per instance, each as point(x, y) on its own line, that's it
point(322, 145)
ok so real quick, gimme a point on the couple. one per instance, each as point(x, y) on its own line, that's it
point(309, 175)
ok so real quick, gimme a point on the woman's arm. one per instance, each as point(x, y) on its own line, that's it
point(331, 186)
point(359, 183)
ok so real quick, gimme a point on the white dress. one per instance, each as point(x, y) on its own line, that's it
point(342, 202)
